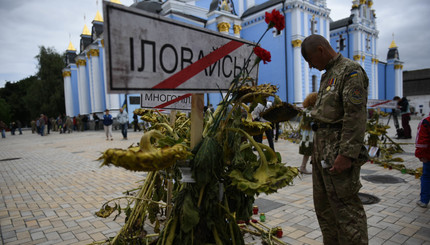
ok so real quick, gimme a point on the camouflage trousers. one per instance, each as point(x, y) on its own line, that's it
point(339, 210)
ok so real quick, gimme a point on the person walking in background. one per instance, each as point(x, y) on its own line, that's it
point(340, 116)
point(69, 125)
point(33, 126)
point(12, 128)
point(306, 144)
point(48, 124)
point(395, 113)
point(45, 118)
point(79, 123)
point(75, 124)
point(42, 124)
point(96, 121)
point(256, 117)
point(85, 121)
point(37, 125)
point(107, 123)
point(60, 124)
point(405, 113)
point(3, 127)
point(123, 121)
point(136, 122)
point(422, 152)
point(19, 126)
point(54, 125)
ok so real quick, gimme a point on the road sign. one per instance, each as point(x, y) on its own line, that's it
point(146, 51)
point(165, 100)
point(382, 104)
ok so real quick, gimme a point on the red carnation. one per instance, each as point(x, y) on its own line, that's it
point(262, 54)
point(275, 19)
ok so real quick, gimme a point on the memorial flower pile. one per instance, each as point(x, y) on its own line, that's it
point(226, 173)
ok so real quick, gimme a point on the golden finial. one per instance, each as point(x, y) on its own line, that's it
point(86, 31)
point(71, 47)
point(393, 44)
point(98, 17)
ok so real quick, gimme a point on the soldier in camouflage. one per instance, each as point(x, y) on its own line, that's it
point(338, 152)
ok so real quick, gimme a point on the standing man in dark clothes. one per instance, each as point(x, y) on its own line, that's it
point(395, 113)
point(96, 121)
point(136, 122)
point(405, 112)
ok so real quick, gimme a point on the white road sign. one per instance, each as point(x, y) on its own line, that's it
point(145, 51)
point(165, 100)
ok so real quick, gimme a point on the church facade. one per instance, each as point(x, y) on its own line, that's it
point(354, 37)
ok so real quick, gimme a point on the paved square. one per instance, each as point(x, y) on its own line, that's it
point(51, 186)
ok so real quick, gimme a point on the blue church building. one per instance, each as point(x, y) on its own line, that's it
point(354, 37)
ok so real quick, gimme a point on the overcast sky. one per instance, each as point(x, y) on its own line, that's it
point(28, 24)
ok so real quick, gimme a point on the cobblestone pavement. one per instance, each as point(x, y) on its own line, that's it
point(51, 187)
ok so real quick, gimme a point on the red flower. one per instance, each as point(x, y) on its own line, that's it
point(275, 19)
point(262, 54)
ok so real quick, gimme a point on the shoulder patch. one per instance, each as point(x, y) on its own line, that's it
point(353, 74)
point(356, 96)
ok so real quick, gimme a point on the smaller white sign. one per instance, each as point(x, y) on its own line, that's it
point(165, 101)
point(391, 104)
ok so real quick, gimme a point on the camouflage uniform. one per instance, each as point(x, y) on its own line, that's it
point(340, 115)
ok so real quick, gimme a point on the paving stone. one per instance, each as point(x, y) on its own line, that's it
point(385, 234)
point(391, 243)
point(314, 234)
point(67, 236)
point(37, 235)
point(52, 236)
point(399, 238)
point(413, 241)
point(423, 231)
point(376, 241)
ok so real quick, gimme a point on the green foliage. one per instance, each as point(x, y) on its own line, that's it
point(26, 99)
point(4, 111)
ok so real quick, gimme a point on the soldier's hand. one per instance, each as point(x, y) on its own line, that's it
point(341, 164)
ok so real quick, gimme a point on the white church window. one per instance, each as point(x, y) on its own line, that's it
point(313, 25)
point(341, 43)
point(368, 42)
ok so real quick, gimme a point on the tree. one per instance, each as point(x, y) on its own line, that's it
point(4, 111)
point(42, 93)
point(46, 95)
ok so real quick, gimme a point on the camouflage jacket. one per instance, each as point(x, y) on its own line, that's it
point(342, 99)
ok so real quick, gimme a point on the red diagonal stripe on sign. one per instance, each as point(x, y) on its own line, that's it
point(193, 69)
point(385, 102)
point(173, 101)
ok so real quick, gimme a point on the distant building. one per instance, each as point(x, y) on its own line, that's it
point(416, 87)
point(354, 37)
